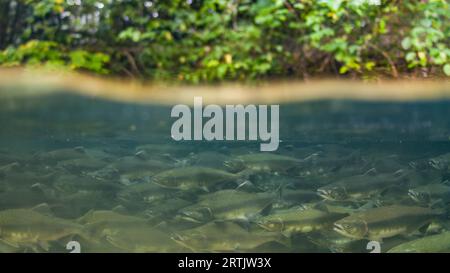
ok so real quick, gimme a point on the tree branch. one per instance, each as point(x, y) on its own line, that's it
point(386, 55)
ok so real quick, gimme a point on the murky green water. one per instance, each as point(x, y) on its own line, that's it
point(109, 176)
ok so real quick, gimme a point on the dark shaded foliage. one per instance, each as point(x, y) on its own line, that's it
point(214, 40)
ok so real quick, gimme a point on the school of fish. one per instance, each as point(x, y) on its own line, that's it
point(169, 198)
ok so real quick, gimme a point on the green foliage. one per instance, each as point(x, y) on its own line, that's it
point(214, 40)
point(428, 40)
point(33, 52)
point(81, 59)
point(52, 55)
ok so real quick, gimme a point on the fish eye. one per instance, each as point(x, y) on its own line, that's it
point(189, 213)
point(337, 191)
point(423, 196)
point(347, 226)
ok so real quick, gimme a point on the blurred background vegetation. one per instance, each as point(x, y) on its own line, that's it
point(214, 40)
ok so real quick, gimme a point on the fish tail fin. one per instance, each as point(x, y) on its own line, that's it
point(247, 185)
point(267, 209)
point(244, 183)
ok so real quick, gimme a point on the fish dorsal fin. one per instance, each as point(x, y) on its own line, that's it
point(243, 223)
point(171, 158)
point(312, 156)
point(80, 149)
point(399, 173)
point(141, 154)
point(87, 215)
point(266, 210)
point(14, 166)
point(372, 172)
point(37, 187)
point(43, 208)
point(120, 209)
point(369, 205)
point(161, 225)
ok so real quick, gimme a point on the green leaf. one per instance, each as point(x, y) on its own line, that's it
point(406, 43)
point(221, 71)
point(447, 69)
point(369, 65)
point(410, 56)
point(426, 23)
point(343, 69)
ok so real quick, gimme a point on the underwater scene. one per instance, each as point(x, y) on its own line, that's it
point(107, 175)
